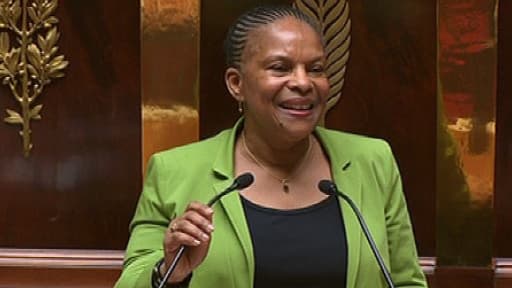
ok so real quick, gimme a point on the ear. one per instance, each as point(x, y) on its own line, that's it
point(233, 79)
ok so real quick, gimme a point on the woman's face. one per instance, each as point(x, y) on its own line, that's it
point(282, 79)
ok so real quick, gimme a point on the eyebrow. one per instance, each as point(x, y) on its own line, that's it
point(278, 57)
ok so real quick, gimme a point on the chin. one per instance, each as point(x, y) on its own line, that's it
point(298, 130)
point(296, 125)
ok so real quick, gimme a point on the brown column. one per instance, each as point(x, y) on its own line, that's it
point(466, 142)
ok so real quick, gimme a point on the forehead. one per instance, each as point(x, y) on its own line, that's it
point(283, 34)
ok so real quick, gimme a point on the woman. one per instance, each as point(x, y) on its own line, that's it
point(281, 231)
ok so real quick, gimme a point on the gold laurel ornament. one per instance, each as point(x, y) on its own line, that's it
point(28, 58)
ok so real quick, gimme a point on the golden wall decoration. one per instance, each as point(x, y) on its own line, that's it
point(333, 18)
point(29, 61)
point(170, 72)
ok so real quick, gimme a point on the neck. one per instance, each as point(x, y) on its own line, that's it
point(283, 157)
point(284, 163)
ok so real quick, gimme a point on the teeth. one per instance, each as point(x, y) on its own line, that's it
point(298, 107)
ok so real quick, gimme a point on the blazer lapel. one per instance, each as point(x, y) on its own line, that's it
point(224, 171)
point(348, 183)
point(347, 177)
point(234, 210)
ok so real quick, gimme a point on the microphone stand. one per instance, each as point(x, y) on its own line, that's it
point(368, 236)
point(330, 188)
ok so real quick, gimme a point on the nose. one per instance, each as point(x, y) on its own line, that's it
point(300, 81)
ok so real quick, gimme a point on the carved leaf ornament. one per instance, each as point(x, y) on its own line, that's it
point(28, 61)
point(333, 18)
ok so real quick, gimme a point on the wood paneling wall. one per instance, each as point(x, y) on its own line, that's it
point(95, 269)
point(79, 187)
point(503, 188)
point(59, 268)
point(78, 268)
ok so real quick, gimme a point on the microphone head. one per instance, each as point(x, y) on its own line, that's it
point(328, 187)
point(244, 180)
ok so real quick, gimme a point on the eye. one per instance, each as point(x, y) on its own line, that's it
point(317, 69)
point(278, 67)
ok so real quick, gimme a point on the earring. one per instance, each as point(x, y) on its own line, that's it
point(240, 107)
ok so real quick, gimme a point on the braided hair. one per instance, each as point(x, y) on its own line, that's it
point(259, 16)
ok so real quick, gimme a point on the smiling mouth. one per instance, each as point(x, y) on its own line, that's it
point(302, 107)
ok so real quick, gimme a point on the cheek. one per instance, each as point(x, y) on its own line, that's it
point(261, 91)
point(322, 86)
point(270, 87)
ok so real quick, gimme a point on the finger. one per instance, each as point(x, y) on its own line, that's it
point(192, 228)
point(200, 208)
point(196, 228)
point(179, 238)
point(199, 220)
point(174, 237)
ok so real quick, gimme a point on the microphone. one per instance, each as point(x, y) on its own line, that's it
point(240, 182)
point(328, 187)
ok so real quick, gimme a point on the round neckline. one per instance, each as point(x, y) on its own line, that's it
point(318, 205)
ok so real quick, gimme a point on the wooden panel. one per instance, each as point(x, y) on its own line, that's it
point(80, 268)
point(79, 187)
point(101, 268)
point(390, 92)
point(503, 273)
point(464, 276)
point(59, 268)
point(465, 155)
point(57, 278)
point(428, 265)
point(75, 268)
point(503, 188)
point(61, 258)
point(467, 277)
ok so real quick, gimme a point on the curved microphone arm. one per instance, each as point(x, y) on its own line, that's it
point(329, 188)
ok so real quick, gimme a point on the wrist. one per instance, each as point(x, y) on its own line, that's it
point(177, 281)
point(177, 275)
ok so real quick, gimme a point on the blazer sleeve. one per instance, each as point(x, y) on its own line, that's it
point(404, 266)
point(147, 229)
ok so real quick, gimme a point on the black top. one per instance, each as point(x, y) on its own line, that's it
point(297, 248)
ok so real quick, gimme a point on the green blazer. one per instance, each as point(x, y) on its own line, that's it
point(363, 168)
